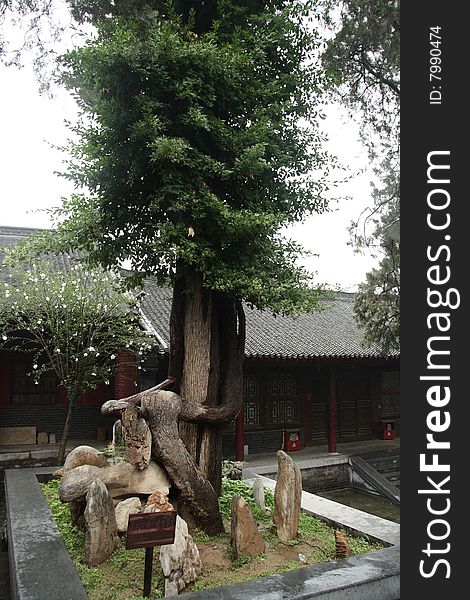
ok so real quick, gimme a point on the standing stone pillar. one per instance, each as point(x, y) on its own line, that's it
point(287, 497)
point(101, 536)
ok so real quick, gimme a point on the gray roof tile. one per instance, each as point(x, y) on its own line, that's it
point(328, 333)
point(331, 332)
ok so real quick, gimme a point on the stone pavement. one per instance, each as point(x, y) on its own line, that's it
point(261, 463)
point(10, 455)
point(316, 456)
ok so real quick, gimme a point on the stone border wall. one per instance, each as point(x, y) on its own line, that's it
point(40, 566)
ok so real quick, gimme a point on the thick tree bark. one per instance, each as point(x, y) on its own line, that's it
point(209, 370)
point(176, 354)
point(200, 378)
point(207, 345)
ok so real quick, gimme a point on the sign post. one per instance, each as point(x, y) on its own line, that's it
point(146, 530)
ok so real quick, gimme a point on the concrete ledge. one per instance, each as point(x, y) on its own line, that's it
point(47, 452)
point(40, 565)
point(356, 521)
point(365, 577)
point(7, 457)
point(307, 463)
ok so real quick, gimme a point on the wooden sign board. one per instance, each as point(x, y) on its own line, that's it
point(151, 529)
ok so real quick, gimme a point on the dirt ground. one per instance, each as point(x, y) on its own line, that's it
point(125, 568)
point(219, 567)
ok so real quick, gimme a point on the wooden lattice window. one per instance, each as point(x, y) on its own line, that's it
point(25, 392)
point(390, 398)
point(251, 400)
point(283, 398)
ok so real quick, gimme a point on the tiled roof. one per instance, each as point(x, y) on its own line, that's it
point(329, 333)
point(11, 236)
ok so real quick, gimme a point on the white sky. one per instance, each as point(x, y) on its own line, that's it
point(30, 124)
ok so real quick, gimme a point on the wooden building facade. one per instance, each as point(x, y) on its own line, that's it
point(310, 374)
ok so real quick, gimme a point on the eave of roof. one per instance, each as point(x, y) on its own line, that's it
point(331, 333)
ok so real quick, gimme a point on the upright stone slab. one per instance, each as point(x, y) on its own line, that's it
point(245, 537)
point(137, 438)
point(258, 493)
point(180, 561)
point(101, 536)
point(343, 550)
point(287, 497)
point(43, 438)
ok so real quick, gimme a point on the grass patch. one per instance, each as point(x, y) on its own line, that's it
point(121, 576)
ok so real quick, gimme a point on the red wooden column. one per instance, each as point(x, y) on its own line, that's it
point(307, 409)
point(332, 412)
point(375, 388)
point(239, 435)
point(124, 377)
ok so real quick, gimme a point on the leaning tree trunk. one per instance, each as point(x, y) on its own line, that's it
point(162, 410)
point(206, 357)
point(72, 397)
point(207, 349)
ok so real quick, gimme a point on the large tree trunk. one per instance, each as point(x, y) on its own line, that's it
point(207, 366)
point(200, 379)
point(195, 490)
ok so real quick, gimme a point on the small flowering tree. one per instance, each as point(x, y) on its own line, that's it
point(73, 321)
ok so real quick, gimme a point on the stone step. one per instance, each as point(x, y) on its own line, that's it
point(391, 475)
point(372, 478)
point(385, 462)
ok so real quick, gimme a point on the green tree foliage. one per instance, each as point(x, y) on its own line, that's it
point(377, 303)
point(362, 61)
point(198, 143)
point(73, 321)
